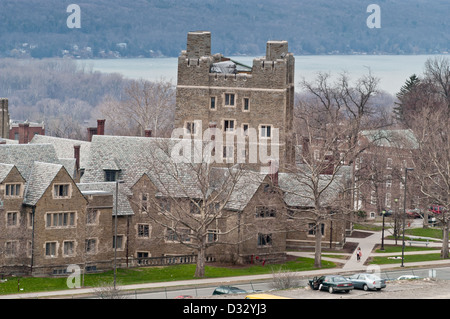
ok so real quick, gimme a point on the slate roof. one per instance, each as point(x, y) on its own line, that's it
point(392, 138)
point(24, 155)
point(123, 208)
point(298, 189)
point(40, 178)
point(5, 169)
point(65, 147)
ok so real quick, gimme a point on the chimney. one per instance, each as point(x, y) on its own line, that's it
point(148, 133)
point(23, 132)
point(76, 154)
point(91, 131)
point(101, 127)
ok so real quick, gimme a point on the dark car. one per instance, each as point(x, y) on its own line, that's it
point(367, 282)
point(331, 283)
point(224, 290)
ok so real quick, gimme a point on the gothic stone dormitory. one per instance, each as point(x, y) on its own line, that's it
point(58, 199)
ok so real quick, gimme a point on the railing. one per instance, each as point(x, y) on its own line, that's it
point(170, 260)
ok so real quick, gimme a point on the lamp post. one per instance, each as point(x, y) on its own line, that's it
point(115, 230)
point(404, 215)
point(382, 232)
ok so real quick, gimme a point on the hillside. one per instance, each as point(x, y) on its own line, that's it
point(112, 28)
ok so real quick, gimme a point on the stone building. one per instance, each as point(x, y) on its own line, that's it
point(248, 105)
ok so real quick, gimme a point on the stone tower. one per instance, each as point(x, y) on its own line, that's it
point(216, 92)
point(4, 118)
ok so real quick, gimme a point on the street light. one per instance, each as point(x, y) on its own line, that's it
point(404, 214)
point(115, 230)
point(382, 233)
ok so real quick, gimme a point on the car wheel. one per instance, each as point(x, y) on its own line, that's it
point(365, 288)
point(347, 291)
point(330, 290)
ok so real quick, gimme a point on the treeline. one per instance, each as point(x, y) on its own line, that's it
point(57, 92)
point(111, 28)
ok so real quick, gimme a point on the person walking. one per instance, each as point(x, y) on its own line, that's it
point(358, 254)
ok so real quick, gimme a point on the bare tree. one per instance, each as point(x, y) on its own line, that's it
point(145, 105)
point(190, 201)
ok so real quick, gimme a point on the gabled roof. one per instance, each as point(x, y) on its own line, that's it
point(24, 155)
point(298, 189)
point(5, 169)
point(64, 147)
point(40, 178)
point(392, 138)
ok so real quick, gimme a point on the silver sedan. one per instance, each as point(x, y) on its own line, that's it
point(367, 281)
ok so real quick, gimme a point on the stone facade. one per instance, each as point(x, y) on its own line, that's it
point(260, 97)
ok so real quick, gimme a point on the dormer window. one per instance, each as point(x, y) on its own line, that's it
point(13, 190)
point(110, 175)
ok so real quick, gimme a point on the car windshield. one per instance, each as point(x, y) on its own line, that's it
point(339, 278)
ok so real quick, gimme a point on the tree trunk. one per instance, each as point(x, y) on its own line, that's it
point(318, 248)
point(200, 269)
point(444, 250)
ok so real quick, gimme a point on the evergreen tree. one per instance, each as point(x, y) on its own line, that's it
point(409, 86)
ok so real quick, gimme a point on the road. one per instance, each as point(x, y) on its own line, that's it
point(441, 274)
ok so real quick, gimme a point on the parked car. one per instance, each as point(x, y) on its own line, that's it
point(331, 283)
point(367, 281)
point(408, 277)
point(224, 290)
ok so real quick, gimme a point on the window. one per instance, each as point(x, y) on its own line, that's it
point(229, 99)
point(61, 191)
point(388, 181)
point(389, 163)
point(212, 103)
point(373, 198)
point(266, 131)
point(60, 220)
point(110, 175)
point(91, 217)
point(50, 249)
point(228, 125)
point(144, 202)
point(141, 256)
point(12, 190)
point(191, 128)
point(264, 240)
point(194, 206)
point(11, 248)
point(177, 236)
point(246, 104)
point(312, 228)
point(119, 242)
point(91, 246)
point(69, 248)
point(12, 219)
point(388, 200)
point(265, 212)
point(213, 235)
point(164, 205)
point(245, 129)
point(143, 231)
point(228, 152)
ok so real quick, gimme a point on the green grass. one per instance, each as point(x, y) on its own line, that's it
point(408, 259)
point(425, 232)
point(398, 248)
point(155, 274)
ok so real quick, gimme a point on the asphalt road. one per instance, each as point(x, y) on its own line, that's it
point(441, 274)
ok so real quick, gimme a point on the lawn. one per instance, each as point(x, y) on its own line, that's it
point(154, 274)
point(398, 248)
point(408, 259)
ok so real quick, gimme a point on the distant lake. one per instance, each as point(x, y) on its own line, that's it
point(392, 70)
